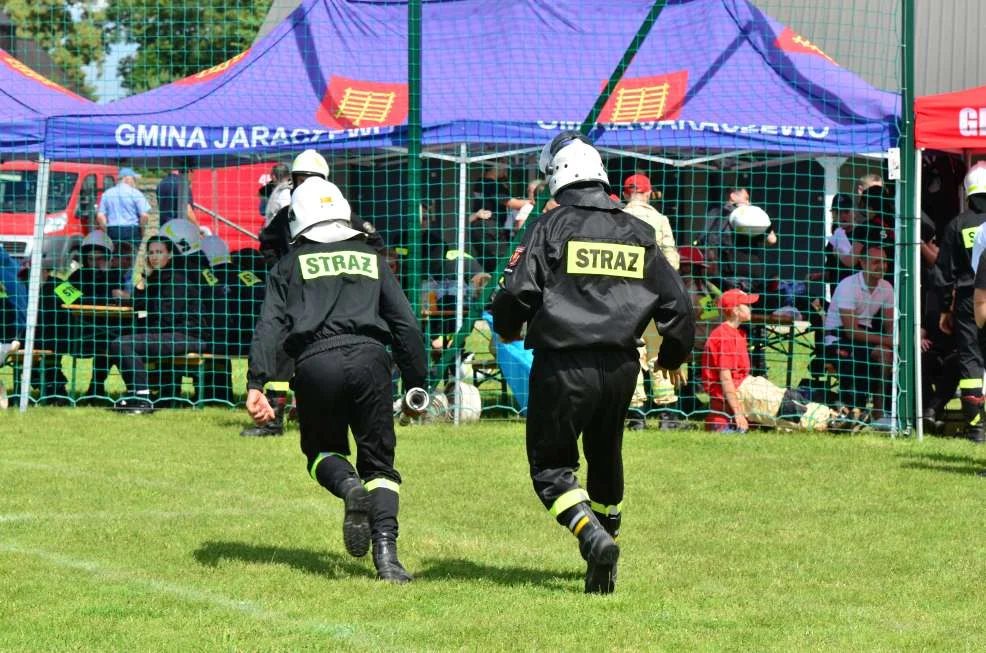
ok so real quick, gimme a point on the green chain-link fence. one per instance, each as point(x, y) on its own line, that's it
point(431, 118)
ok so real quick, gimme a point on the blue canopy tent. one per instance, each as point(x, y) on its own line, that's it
point(27, 99)
point(713, 77)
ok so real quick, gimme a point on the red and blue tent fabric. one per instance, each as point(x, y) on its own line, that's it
point(712, 74)
point(27, 98)
point(951, 121)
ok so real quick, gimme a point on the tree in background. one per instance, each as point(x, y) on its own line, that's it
point(178, 38)
point(69, 32)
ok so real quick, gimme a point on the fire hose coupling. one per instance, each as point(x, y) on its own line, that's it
point(416, 402)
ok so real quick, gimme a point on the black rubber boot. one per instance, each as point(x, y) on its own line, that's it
point(600, 578)
point(389, 568)
point(975, 426)
point(356, 522)
point(601, 552)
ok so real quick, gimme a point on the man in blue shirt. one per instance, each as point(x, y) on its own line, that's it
point(174, 199)
point(123, 210)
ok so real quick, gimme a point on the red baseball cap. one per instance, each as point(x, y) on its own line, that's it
point(692, 255)
point(736, 297)
point(637, 184)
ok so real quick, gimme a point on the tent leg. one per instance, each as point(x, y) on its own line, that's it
point(34, 288)
point(831, 166)
point(460, 273)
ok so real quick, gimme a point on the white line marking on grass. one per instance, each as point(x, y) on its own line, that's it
point(144, 514)
point(339, 631)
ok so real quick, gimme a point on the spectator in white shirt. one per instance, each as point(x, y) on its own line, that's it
point(859, 334)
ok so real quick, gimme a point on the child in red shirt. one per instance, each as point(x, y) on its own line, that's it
point(726, 363)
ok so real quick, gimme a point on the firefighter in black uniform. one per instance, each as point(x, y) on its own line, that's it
point(957, 281)
point(587, 279)
point(333, 305)
point(275, 242)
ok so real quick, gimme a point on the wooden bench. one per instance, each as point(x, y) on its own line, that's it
point(41, 359)
point(193, 365)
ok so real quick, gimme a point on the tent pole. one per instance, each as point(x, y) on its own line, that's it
point(34, 287)
point(460, 273)
point(624, 63)
point(831, 166)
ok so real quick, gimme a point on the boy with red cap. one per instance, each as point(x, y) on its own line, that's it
point(735, 397)
point(726, 363)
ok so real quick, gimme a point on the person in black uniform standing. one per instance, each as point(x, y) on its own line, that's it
point(587, 279)
point(332, 306)
point(957, 280)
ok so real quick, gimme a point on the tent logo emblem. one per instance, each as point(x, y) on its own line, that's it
point(646, 99)
point(791, 41)
point(215, 71)
point(972, 122)
point(350, 103)
point(18, 66)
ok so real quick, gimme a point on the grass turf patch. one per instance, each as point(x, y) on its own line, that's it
point(171, 532)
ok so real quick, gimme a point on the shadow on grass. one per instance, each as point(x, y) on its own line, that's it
point(331, 565)
point(942, 462)
point(459, 569)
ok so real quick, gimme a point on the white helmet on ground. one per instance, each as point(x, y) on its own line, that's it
point(216, 251)
point(319, 212)
point(97, 239)
point(185, 236)
point(570, 158)
point(975, 181)
point(750, 220)
point(310, 162)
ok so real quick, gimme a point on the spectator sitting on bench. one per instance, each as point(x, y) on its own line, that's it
point(174, 312)
point(231, 299)
point(858, 338)
point(92, 283)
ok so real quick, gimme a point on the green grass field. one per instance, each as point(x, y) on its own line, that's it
point(170, 532)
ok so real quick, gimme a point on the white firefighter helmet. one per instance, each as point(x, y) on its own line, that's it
point(184, 235)
point(750, 220)
point(571, 158)
point(97, 239)
point(319, 212)
point(312, 163)
point(216, 251)
point(975, 181)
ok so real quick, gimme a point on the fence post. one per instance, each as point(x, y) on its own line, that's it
point(413, 211)
point(907, 242)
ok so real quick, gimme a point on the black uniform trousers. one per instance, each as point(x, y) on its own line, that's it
point(348, 387)
point(967, 343)
point(573, 392)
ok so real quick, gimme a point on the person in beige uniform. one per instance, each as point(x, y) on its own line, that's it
point(637, 191)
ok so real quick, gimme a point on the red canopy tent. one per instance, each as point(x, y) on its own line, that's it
point(952, 121)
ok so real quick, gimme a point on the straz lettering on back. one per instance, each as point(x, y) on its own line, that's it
point(314, 266)
point(605, 259)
